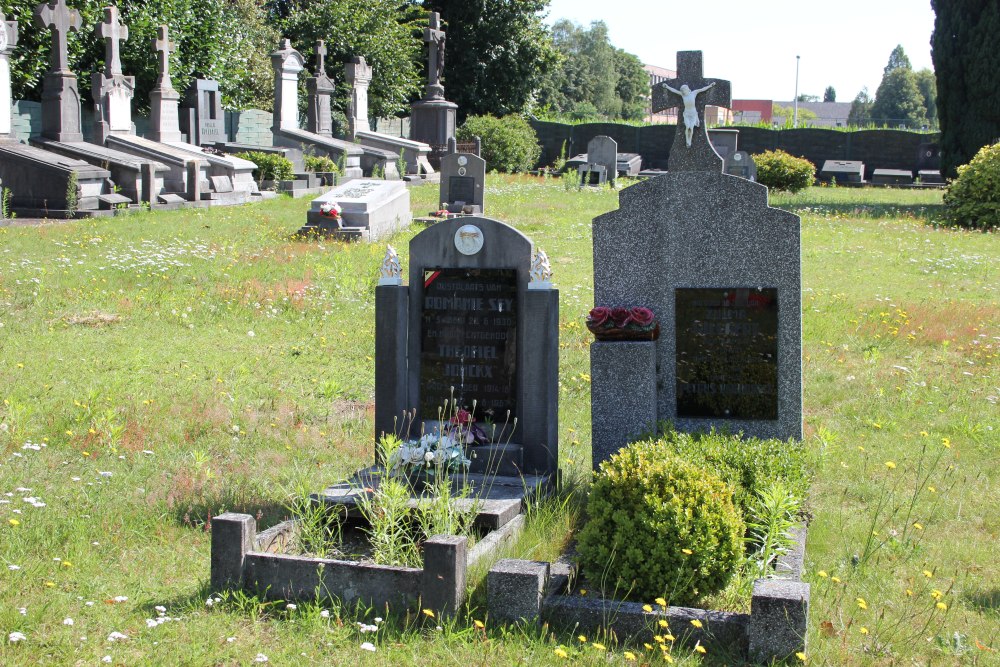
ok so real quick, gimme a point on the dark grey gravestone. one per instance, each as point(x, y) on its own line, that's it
point(515, 588)
point(779, 612)
point(471, 326)
point(603, 151)
point(60, 97)
point(892, 177)
point(721, 271)
point(463, 179)
point(320, 88)
point(202, 118)
point(930, 176)
point(741, 164)
point(592, 174)
point(724, 141)
point(845, 171)
point(929, 157)
point(629, 164)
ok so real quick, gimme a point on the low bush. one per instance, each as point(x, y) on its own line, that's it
point(659, 526)
point(973, 199)
point(780, 171)
point(270, 166)
point(509, 144)
point(319, 163)
point(749, 465)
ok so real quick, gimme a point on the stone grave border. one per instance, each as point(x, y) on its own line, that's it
point(243, 559)
point(775, 628)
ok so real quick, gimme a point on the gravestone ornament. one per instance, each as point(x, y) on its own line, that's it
point(435, 38)
point(691, 91)
point(432, 119)
point(111, 90)
point(164, 117)
point(469, 239)
point(319, 90)
point(60, 97)
point(391, 271)
point(721, 272)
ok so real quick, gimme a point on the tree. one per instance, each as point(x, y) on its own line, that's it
point(928, 90)
point(382, 31)
point(898, 101)
point(229, 40)
point(498, 52)
point(830, 94)
point(966, 62)
point(808, 98)
point(861, 110)
point(593, 77)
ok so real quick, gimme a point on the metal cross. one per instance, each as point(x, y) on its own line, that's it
point(113, 33)
point(164, 47)
point(60, 19)
point(320, 57)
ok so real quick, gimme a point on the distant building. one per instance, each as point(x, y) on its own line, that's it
point(657, 75)
point(828, 114)
point(752, 111)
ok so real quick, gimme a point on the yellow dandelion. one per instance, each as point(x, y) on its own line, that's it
point(582, 638)
point(429, 613)
point(822, 574)
point(699, 648)
point(891, 465)
point(862, 604)
point(659, 639)
point(686, 552)
point(860, 448)
point(649, 647)
point(668, 659)
point(561, 652)
point(946, 442)
point(14, 522)
point(696, 623)
point(909, 593)
point(924, 434)
point(583, 591)
point(50, 584)
point(936, 594)
point(629, 656)
point(599, 647)
point(932, 489)
point(918, 526)
point(647, 608)
point(863, 630)
point(663, 623)
point(669, 637)
point(835, 580)
point(942, 606)
point(801, 656)
point(661, 602)
point(67, 563)
point(479, 624)
point(928, 574)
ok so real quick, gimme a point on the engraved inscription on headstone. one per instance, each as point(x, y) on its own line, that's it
point(462, 188)
point(468, 341)
point(727, 352)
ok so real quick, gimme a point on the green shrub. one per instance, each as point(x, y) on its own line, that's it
point(509, 144)
point(749, 465)
point(270, 166)
point(319, 163)
point(973, 199)
point(780, 171)
point(659, 526)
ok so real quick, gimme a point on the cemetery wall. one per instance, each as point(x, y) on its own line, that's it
point(878, 149)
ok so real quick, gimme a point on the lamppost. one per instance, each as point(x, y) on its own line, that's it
point(795, 118)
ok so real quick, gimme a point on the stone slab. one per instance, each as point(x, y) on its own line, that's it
point(892, 177)
point(623, 404)
point(779, 614)
point(845, 171)
point(380, 208)
point(930, 176)
point(515, 588)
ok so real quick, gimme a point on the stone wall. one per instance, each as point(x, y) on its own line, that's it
point(878, 149)
point(251, 126)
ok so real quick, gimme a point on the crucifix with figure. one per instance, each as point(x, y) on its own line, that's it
point(60, 19)
point(434, 37)
point(692, 92)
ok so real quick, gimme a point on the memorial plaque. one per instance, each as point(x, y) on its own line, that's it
point(462, 188)
point(727, 352)
point(468, 341)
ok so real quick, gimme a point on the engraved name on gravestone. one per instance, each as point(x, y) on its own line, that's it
point(727, 353)
point(462, 188)
point(468, 347)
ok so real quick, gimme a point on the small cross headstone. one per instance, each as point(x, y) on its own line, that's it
point(691, 92)
point(320, 88)
point(320, 57)
point(59, 19)
point(114, 33)
point(164, 47)
point(112, 90)
point(60, 96)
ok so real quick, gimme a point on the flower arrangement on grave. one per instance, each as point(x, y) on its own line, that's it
point(434, 454)
point(621, 323)
point(463, 428)
point(331, 210)
point(441, 212)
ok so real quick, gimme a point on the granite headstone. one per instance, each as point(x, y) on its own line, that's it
point(463, 177)
point(603, 150)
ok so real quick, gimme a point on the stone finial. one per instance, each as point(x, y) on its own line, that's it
point(391, 271)
point(540, 274)
point(113, 33)
point(320, 57)
point(691, 92)
point(60, 20)
point(164, 47)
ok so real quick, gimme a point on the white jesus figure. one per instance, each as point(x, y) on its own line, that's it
point(691, 119)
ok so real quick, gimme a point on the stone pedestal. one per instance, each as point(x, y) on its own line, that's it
point(61, 107)
point(779, 614)
point(622, 395)
point(164, 119)
point(433, 122)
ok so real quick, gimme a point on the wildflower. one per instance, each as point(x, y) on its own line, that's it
point(928, 574)
point(699, 648)
point(661, 602)
point(909, 593)
point(663, 623)
point(891, 465)
point(647, 608)
point(50, 584)
point(429, 613)
point(260, 658)
point(696, 623)
point(686, 552)
point(863, 630)
point(669, 637)
point(936, 594)
point(668, 659)
point(924, 434)
point(583, 591)
point(479, 624)
point(835, 580)
point(117, 636)
point(918, 526)
point(368, 646)
point(659, 639)
point(325, 613)
point(13, 568)
point(16, 637)
point(66, 563)
point(14, 522)
point(629, 656)
point(946, 442)
point(378, 619)
point(67, 621)
point(291, 607)
point(599, 647)
point(160, 608)
point(932, 489)
point(106, 659)
point(561, 652)
point(801, 656)
point(822, 574)
point(862, 604)
point(582, 638)
point(649, 647)
point(942, 606)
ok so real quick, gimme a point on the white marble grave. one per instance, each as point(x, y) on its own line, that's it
point(370, 209)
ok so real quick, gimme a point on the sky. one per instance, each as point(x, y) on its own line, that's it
point(754, 43)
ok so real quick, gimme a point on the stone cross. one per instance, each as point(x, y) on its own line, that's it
point(320, 57)
point(164, 47)
point(691, 150)
point(60, 19)
point(435, 38)
point(114, 33)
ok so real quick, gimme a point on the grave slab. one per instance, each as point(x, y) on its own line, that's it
point(377, 208)
point(845, 171)
point(892, 177)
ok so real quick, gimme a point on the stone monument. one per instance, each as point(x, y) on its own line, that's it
point(721, 272)
point(603, 150)
point(163, 99)
point(359, 77)
point(365, 210)
point(463, 180)
point(478, 324)
point(320, 88)
point(111, 89)
point(202, 118)
point(60, 97)
point(432, 119)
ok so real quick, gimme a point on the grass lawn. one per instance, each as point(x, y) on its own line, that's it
point(158, 369)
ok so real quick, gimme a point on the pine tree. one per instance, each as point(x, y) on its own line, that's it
point(861, 110)
point(830, 94)
point(966, 62)
point(898, 101)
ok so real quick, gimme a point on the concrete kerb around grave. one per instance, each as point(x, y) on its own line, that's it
point(244, 560)
point(775, 628)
